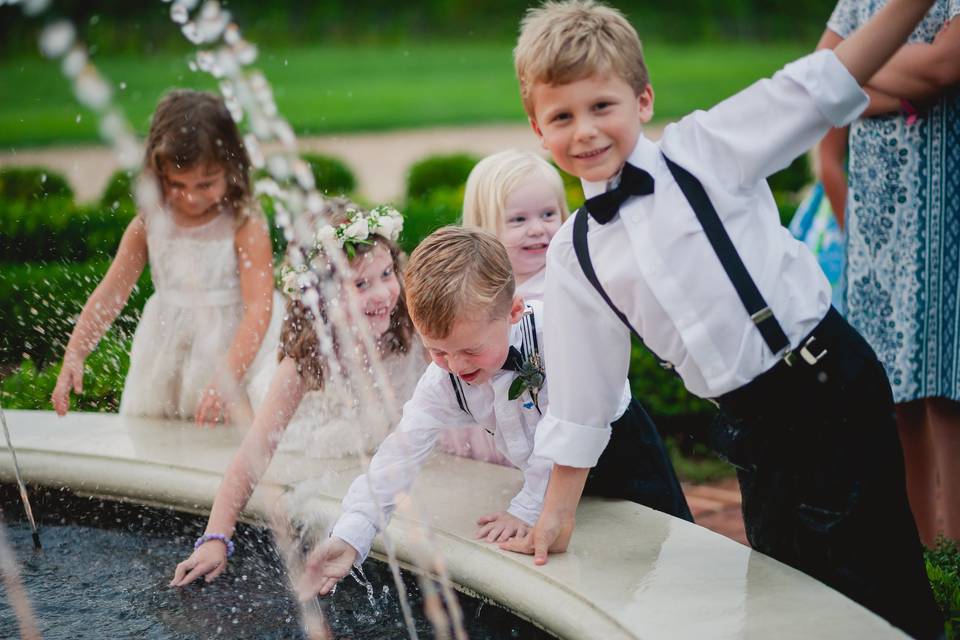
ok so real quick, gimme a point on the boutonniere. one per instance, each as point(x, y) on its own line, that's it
point(529, 378)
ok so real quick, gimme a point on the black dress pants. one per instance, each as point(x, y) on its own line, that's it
point(635, 467)
point(822, 477)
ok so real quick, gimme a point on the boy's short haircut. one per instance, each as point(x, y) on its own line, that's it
point(562, 42)
point(495, 177)
point(457, 273)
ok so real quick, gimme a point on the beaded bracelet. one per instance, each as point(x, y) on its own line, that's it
point(215, 536)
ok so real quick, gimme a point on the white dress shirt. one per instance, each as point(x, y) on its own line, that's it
point(434, 407)
point(659, 269)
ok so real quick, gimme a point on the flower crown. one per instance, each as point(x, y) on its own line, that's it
point(383, 221)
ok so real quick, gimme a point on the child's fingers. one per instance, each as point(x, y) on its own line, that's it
point(506, 534)
point(490, 517)
point(217, 570)
point(519, 545)
point(541, 543)
point(77, 382)
point(181, 571)
point(494, 533)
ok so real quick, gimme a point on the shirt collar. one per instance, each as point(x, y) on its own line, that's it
point(644, 156)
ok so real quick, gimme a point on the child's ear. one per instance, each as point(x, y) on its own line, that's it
point(645, 103)
point(517, 309)
point(536, 130)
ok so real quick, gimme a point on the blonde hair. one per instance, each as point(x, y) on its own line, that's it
point(561, 42)
point(454, 273)
point(495, 177)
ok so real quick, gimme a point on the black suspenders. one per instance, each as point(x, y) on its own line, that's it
point(758, 309)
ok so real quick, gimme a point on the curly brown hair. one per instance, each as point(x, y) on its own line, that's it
point(192, 128)
point(298, 339)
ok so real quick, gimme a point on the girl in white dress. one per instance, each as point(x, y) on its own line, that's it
point(519, 197)
point(324, 418)
point(210, 323)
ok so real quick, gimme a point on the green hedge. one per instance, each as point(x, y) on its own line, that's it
point(55, 228)
point(29, 387)
point(119, 192)
point(439, 172)
point(32, 183)
point(943, 569)
point(424, 215)
point(332, 175)
point(39, 305)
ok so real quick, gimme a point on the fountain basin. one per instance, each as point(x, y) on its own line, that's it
point(631, 573)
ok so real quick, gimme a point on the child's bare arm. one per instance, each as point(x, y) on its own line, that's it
point(255, 261)
point(869, 47)
point(923, 71)
point(832, 152)
point(101, 309)
point(244, 473)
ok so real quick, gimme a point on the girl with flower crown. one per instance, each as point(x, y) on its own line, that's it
point(210, 325)
point(316, 409)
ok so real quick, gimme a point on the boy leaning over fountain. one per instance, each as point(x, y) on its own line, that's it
point(680, 242)
point(487, 369)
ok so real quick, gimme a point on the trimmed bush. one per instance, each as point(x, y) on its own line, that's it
point(943, 569)
point(39, 305)
point(56, 229)
point(437, 172)
point(32, 183)
point(794, 178)
point(119, 191)
point(423, 216)
point(28, 387)
point(332, 175)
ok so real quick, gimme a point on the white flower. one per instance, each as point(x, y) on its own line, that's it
point(289, 279)
point(326, 232)
point(359, 229)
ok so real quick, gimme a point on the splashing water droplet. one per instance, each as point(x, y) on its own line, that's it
point(78, 118)
point(192, 33)
point(192, 65)
point(91, 90)
point(35, 7)
point(179, 13)
point(253, 150)
point(74, 62)
point(301, 171)
point(232, 34)
point(57, 38)
point(123, 86)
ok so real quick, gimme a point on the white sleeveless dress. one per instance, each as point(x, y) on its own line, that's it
point(188, 324)
point(330, 424)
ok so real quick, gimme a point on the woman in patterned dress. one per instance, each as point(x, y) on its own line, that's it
point(903, 246)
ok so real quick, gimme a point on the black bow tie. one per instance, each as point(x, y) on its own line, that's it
point(633, 182)
point(514, 360)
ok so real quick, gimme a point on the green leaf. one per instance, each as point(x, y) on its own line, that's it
point(516, 388)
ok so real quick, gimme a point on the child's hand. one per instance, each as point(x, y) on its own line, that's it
point(71, 377)
point(500, 527)
point(211, 409)
point(325, 566)
point(209, 560)
point(551, 534)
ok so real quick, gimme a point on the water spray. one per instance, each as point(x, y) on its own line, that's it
point(24, 497)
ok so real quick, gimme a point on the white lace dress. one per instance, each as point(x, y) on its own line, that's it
point(188, 324)
point(330, 423)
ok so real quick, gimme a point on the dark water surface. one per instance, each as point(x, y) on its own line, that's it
point(105, 565)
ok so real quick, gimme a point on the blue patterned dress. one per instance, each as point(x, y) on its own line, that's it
point(903, 230)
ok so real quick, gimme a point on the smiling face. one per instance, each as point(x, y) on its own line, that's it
point(377, 287)
point(531, 216)
point(475, 349)
point(194, 192)
point(591, 125)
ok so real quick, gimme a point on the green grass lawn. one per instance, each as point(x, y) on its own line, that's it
point(327, 89)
